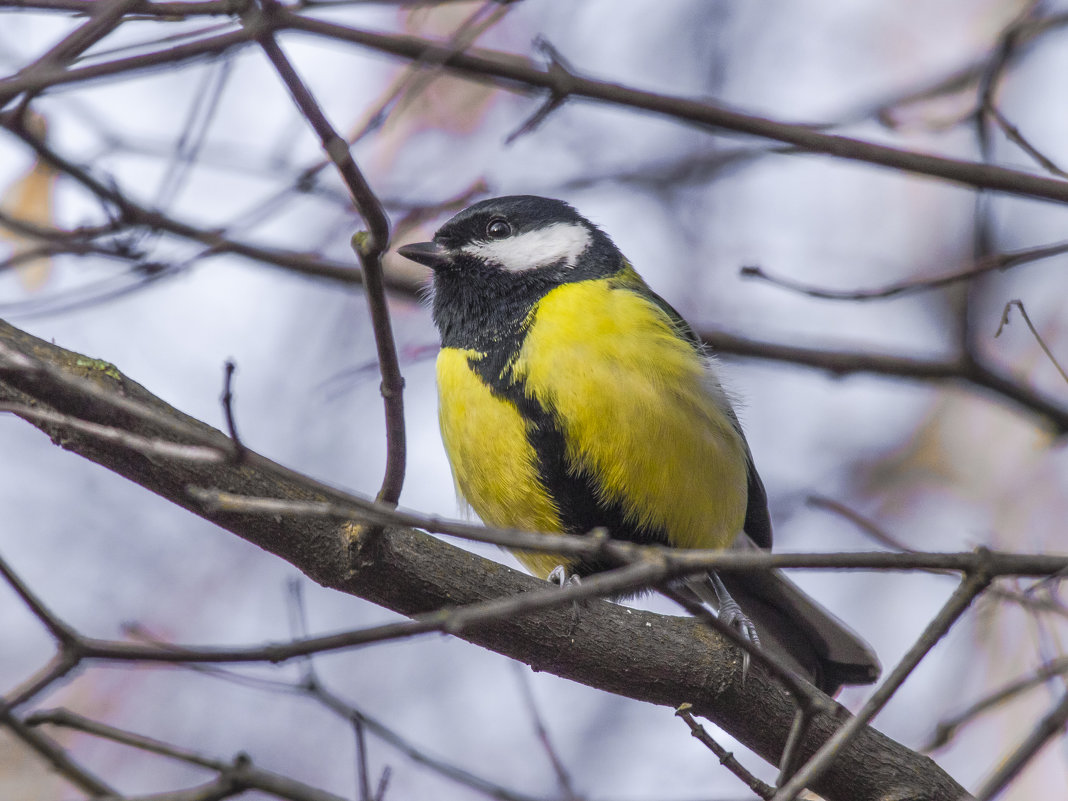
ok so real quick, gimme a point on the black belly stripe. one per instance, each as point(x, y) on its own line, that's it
point(576, 493)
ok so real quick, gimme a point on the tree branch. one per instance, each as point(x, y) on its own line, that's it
point(654, 658)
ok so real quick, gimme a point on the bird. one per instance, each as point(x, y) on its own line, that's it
point(572, 398)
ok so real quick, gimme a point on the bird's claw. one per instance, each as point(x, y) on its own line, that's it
point(732, 615)
point(561, 578)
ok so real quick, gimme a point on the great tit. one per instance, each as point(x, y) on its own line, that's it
point(572, 398)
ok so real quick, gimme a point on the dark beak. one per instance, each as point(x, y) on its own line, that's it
point(430, 254)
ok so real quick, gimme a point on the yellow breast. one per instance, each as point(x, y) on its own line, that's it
point(493, 464)
point(635, 403)
point(632, 400)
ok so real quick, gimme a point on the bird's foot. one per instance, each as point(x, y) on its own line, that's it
point(732, 615)
point(561, 578)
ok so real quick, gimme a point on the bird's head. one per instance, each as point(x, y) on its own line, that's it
point(518, 235)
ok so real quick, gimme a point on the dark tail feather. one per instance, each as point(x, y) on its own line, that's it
point(795, 627)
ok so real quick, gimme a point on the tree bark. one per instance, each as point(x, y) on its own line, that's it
point(655, 658)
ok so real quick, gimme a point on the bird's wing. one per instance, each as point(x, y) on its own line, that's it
point(757, 517)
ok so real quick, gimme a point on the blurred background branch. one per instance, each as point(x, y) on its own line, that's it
point(146, 145)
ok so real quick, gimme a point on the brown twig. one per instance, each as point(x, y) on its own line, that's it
point(1014, 134)
point(363, 510)
point(849, 362)
point(1025, 599)
point(241, 770)
point(791, 752)
point(56, 756)
point(368, 248)
point(563, 778)
point(947, 729)
point(726, 758)
point(227, 400)
point(104, 17)
point(482, 64)
point(1050, 725)
point(628, 579)
point(999, 261)
point(961, 599)
point(1034, 332)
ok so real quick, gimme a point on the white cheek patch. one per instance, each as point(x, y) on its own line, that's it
point(560, 242)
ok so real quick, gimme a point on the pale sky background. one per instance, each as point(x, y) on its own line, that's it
point(939, 469)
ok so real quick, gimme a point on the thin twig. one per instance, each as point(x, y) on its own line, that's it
point(105, 16)
point(117, 436)
point(792, 750)
point(227, 400)
point(56, 756)
point(999, 261)
point(59, 630)
point(363, 510)
point(1014, 134)
point(368, 248)
point(363, 778)
point(947, 729)
point(240, 768)
point(563, 778)
point(961, 599)
point(61, 663)
point(1050, 726)
point(726, 758)
point(849, 362)
point(1034, 332)
point(628, 579)
point(1025, 599)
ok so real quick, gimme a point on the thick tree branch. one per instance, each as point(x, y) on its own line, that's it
point(654, 658)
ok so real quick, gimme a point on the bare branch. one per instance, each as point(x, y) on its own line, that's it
point(655, 658)
point(369, 250)
point(241, 772)
point(947, 729)
point(1050, 726)
point(563, 778)
point(227, 400)
point(1000, 261)
point(55, 755)
point(726, 758)
point(144, 445)
point(1034, 332)
point(511, 71)
point(969, 589)
point(847, 362)
point(362, 510)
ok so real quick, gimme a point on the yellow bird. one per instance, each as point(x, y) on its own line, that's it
point(572, 397)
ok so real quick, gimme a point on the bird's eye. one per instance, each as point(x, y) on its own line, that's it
point(498, 229)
